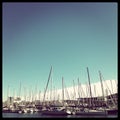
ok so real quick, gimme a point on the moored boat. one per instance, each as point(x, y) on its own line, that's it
point(56, 111)
point(91, 112)
point(112, 111)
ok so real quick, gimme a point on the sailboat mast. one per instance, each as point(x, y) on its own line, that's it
point(74, 90)
point(54, 94)
point(78, 92)
point(20, 90)
point(51, 91)
point(111, 86)
point(24, 94)
point(67, 92)
point(95, 90)
point(39, 95)
point(47, 84)
point(110, 93)
point(8, 96)
point(35, 94)
point(101, 85)
point(82, 93)
point(63, 91)
point(89, 86)
point(102, 88)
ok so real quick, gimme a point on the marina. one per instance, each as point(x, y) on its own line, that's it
point(59, 60)
point(91, 106)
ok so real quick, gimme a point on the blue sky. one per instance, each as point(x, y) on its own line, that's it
point(67, 36)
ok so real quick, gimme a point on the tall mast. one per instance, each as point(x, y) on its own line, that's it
point(24, 94)
point(13, 93)
point(102, 88)
point(47, 84)
point(89, 87)
point(35, 94)
point(39, 94)
point(78, 92)
point(74, 90)
point(110, 93)
point(63, 91)
point(8, 96)
point(30, 93)
point(87, 90)
point(101, 85)
point(20, 90)
point(95, 90)
point(67, 92)
point(81, 89)
point(51, 91)
point(82, 93)
point(54, 94)
point(111, 86)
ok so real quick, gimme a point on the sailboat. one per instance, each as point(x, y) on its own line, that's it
point(112, 110)
point(54, 110)
point(90, 110)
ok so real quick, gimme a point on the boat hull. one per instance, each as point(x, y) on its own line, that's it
point(10, 111)
point(54, 113)
point(99, 113)
point(112, 112)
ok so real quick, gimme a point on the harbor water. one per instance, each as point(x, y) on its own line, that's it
point(38, 115)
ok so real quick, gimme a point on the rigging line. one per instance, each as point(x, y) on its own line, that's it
point(108, 90)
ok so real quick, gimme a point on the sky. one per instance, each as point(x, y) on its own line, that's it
point(67, 36)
